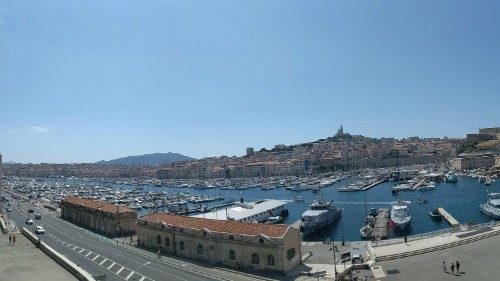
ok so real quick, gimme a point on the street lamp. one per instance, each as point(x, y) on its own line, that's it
point(342, 224)
point(334, 258)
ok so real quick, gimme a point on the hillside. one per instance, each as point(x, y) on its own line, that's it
point(148, 159)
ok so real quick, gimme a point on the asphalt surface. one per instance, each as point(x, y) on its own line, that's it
point(99, 255)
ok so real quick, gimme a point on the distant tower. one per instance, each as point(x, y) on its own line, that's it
point(340, 131)
point(250, 151)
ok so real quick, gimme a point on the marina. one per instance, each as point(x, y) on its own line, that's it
point(460, 198)
point(453, 222)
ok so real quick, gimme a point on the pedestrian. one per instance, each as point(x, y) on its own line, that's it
point(159, 253)
point(10, 240)
point(452, 268)
point(406, 239)
point(444, 267)
point(14, 240)
point(458, 267)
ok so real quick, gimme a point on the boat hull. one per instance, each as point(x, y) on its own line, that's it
point(489, 212)
point(307, 229)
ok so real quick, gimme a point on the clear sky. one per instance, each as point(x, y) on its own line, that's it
point(86, 80)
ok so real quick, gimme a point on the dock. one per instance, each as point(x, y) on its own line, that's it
point(380, 229)
point(448, 217)
point(373, 184)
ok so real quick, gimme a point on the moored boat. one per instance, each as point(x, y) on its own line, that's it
point(400, 215)
point(320, 215)
point(492, 206)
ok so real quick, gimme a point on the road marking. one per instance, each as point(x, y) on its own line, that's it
point(120, 270)
point(81, 251)
point(103, 261)
point(88, 254)
point(111, 266)
point(95, 258)
point(378, 272)
point(130, 275)
point(142, 278)
point(74, 248)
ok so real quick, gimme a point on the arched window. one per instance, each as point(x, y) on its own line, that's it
point(270, 260)
point(181, 245)
point(158, 240)
point(200, 249)
point(167, 241)
point(232, 255)
point(255, 258)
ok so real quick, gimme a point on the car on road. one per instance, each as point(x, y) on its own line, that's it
point(9, 210)
point(29, 221)
point(38, 217)
point(31, 211)
point(39, 229)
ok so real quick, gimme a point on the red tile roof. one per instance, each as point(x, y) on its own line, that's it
point(97, 205)
point(224, 226)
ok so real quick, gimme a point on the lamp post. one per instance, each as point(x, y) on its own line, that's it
point(334, 258)
point(342, 224)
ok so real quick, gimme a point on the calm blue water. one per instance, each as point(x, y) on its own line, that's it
point(460, 199)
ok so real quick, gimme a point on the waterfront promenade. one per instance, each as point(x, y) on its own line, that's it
point(26, 262)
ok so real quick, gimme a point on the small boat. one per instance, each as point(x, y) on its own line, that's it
point(435, 214)
point(298, 198)
point(275, 220)
point(492, 206)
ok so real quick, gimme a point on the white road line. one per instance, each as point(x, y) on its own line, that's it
point(88, 254)
point(120, 270)
point(81, 251)
point(111, 266)
point(95, 258)
point(130, 275)
point(142, 278)
point(103, 261)
point(74, 248)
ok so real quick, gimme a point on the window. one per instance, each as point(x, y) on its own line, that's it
point(200, 249)
point(270, 260)
point(167, 241)
point(232, 255)
point(231, 237)
point(158, 240)
point(255, 258)
point(181, 245)
point(290, 253)
point(261, 241)
point(205, 234)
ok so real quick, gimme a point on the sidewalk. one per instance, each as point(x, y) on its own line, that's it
point(26, 262)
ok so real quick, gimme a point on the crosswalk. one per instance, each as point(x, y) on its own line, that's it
point(121, 271)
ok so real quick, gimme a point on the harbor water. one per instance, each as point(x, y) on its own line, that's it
point(461, 199)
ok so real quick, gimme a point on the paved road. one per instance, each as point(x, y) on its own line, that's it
point(98, 255)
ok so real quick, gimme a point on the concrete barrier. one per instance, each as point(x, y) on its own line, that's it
point(79, 273)
point(3, 226)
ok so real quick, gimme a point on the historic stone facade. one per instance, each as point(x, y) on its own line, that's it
point(235, 244)
point(109, 219)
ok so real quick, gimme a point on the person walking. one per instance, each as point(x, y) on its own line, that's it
point(458, 267)
point(444, 266)
point(10, 240)
point(452, 268)
point(14, 240)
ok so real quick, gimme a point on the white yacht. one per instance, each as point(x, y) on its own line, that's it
point(451, 177)
point(492, 206)
point(400, 215)
point(320, 214)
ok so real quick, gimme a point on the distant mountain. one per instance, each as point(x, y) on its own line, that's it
point(148, 159)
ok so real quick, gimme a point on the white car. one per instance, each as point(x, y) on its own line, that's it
point(29, 221)
point(39, 230)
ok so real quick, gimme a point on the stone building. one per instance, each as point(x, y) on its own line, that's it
point(470, 161)
point(240, 245)
point(109, 219)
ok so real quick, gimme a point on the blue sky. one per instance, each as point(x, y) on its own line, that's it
point(82, 81)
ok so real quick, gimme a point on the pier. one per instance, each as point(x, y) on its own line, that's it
point(448, 217)
point(380, 229)
point(373, 184)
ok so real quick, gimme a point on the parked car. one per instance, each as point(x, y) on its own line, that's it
point(39, 229)
point(38, 217)
point(29, 221)
point(357, 258)
point(9, 210)
point(31, 211)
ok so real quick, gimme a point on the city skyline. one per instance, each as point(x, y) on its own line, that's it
point(89, 81)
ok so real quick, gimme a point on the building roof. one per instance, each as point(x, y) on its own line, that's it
point(242, 211)
point(97, 205)
point(233, 227)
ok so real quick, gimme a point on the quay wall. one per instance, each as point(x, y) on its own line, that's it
point(79, 273)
